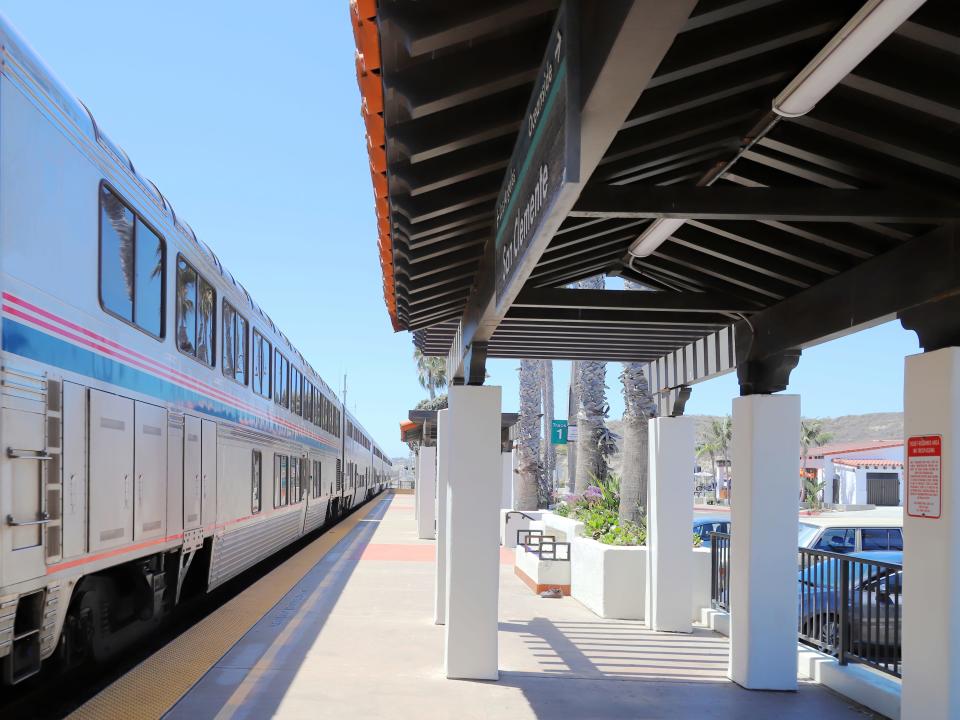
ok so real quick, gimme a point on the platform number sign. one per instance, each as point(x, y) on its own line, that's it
point(558, 432)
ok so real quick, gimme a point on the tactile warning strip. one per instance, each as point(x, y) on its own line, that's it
point(153, 687)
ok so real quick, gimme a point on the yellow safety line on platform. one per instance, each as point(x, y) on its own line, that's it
point(154, 686)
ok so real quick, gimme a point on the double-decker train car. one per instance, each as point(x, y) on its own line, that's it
point(159, 434)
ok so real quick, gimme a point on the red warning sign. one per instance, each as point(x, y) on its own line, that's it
point(924, 479)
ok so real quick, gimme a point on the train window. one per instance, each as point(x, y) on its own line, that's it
point(276, 480)
point(234, 344)
point(149, 256)
point(294, 482)
point(308, 400)
point(256, 482)
point(260, 373)
point(281, 394)
point(132, 266)
point(282, 479)
point(317, 477)
point(296, 404)
point(196, 313)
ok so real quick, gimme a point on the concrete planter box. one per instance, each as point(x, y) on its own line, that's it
point(701, 582)
point(539, 574)
point(563, 528)
point(610, 580)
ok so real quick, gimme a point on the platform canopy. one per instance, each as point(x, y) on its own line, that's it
point(421, 427)
point(773, 173)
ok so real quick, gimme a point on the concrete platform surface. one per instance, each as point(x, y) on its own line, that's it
point(355, 639)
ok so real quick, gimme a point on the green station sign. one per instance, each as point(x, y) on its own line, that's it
point(545, 164)
point(558, 432)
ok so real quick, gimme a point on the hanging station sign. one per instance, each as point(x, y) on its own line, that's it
point(558, 432)
point(924, 476)
point(546, 158)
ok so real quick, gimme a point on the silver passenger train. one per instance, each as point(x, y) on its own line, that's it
point(159, 434)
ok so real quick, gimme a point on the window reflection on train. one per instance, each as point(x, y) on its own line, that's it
point(160, 433)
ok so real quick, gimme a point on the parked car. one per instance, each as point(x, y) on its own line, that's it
point(853, 532)
point(874, 604)
point(703, 526)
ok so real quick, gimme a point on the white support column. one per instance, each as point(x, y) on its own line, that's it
point(931, 596)
point(443, 478)
point(426, 493)
point(506, 480)
point(473, 551)
point(669, 523)
point(763, 542)
point(416, 488)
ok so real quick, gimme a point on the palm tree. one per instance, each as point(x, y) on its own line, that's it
point(591, 462)
point(709, 449)
point(205, 320)
point(638, 407)
point(431, 372)
point(716, 444)
point(573, 409)
point(549, 450)
point(528, 444)
point(812, 434)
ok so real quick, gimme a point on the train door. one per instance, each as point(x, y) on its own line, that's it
point(111, 470)
point(191, 473)
point(74, 469)
point(208, 471)
point(174, 473)
point(23, 467)
point(150, 460)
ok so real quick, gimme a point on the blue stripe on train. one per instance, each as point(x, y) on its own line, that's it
point(31, 343)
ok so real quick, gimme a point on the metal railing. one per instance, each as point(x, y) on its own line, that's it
point(544, 546)
point(719, 571)
point(849, 607)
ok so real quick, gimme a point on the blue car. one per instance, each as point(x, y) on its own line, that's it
point(874, 604)
point(703, 526)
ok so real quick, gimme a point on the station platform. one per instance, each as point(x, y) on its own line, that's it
point(354, 637)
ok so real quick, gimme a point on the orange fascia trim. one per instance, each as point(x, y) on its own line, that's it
point(379, 185)
point(367, 60)
point(378, 159)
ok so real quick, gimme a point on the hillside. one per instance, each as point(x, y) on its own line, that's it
point(846, 428)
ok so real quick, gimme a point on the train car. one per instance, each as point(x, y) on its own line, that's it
point(159, 433)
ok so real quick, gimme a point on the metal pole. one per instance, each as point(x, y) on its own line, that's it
point(844, 611)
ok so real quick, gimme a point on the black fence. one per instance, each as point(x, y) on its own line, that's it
point(847, 606)
point(720, 570)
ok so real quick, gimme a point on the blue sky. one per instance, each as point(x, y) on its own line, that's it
point(248, 120)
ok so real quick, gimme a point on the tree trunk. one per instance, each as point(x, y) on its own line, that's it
point(549, 449)
point(528, 444)
point(591, 464)
point(638, 407)
point(573, 408)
